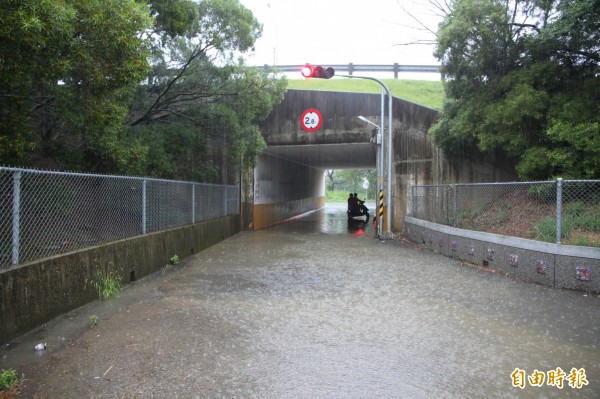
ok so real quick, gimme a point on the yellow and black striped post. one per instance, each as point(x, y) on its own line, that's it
point(380, 218)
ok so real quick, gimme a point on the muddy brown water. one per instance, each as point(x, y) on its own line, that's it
point(309, 309)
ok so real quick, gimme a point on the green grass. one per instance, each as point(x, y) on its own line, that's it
point(545, 229)
point(424, 92)
point(580, 226)
point(108, 285)
point(342, 196)
point(336, 196)
point(8, 379)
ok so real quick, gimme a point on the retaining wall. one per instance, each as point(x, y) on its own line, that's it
point(34, 293)
point(553, 265)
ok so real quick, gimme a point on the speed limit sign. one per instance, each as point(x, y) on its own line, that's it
point(311, 120)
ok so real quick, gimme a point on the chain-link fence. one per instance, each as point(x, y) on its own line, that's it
point(566, 212)
point(46, 213)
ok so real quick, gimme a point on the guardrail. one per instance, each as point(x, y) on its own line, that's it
point(351, 68)
point(44, 213)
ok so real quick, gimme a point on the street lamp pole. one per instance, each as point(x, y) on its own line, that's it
point(362, 118)
point(389, 147)
point(379, 143)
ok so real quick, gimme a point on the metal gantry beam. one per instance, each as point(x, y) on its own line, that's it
point(351, 68)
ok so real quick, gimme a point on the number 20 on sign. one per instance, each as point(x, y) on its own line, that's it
point(311, 120)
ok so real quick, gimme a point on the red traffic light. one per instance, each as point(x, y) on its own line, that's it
point(328, 73)
point(306, 71)
point(317, 71)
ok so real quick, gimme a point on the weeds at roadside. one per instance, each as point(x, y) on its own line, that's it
point(174, 260)
point(108, 283)
point(93, 320)
point(9, 380)
point(580, 226)
point(544, 230)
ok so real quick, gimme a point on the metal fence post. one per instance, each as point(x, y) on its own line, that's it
point(16, 217)
point(144, 206)
point(412, 200)
point(455, 206)
point(193, 203)
point(559, 210)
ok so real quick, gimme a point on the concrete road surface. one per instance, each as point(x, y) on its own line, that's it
point(311, 309)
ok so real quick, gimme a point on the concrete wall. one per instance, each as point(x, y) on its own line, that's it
point(339, 110)
point(34, 293)
point(553, 265)
point(417, 160)
point(283, 189)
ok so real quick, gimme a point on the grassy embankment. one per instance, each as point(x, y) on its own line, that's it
point(425, 92)
point(336, 196)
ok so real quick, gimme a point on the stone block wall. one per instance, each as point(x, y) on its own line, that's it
point(552, 265)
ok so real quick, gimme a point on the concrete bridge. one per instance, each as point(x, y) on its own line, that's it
point(289, 177)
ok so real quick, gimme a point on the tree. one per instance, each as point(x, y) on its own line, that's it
point(218, 29)
point(332, 182)
point(34, 36)
point(570, 44)
point(67, 69)
point(131, 87)
point(350, 180)
point(173, 18)
point(197, 99)
point(521, 79)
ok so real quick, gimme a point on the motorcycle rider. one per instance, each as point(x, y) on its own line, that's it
point(359, 202)
point(353, 203)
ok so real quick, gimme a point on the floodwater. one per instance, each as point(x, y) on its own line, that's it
point(311, 309)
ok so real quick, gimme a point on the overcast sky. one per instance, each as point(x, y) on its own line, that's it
point(342, 31)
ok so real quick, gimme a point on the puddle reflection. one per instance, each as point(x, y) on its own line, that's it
point(331, 219)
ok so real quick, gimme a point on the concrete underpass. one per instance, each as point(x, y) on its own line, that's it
point(289, 177)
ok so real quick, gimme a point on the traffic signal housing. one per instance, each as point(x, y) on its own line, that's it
point(317, 71)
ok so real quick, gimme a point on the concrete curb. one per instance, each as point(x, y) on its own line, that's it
point(553, 265)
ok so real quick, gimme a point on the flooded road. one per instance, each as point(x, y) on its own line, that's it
point(311, 309)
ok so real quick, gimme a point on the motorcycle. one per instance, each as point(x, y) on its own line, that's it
point(361, 212)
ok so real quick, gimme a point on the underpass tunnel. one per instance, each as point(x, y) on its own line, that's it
point(290, 179)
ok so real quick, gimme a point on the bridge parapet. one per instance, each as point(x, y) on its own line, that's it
point(339, 112)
